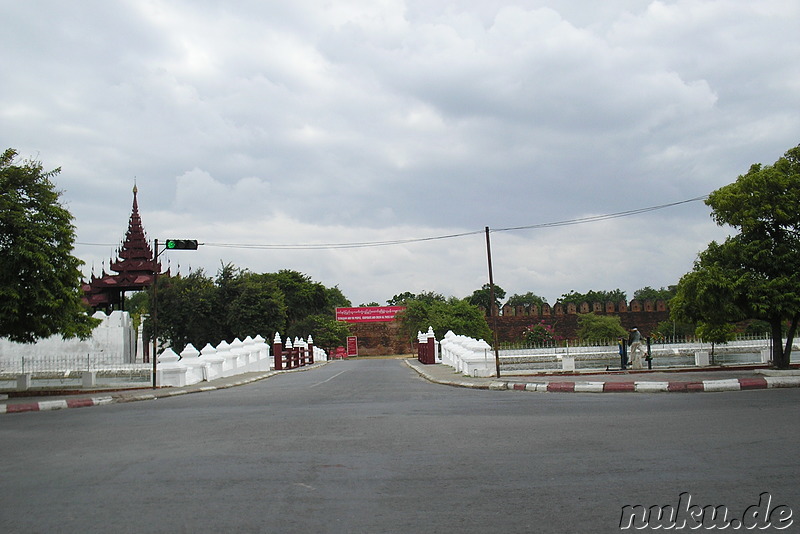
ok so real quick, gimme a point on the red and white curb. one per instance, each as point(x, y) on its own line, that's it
point(733, 384)
point(60, 404)
point(645, 386)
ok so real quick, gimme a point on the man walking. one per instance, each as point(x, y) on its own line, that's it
point(636, 348)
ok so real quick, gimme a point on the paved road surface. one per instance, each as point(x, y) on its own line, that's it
point(368, 446)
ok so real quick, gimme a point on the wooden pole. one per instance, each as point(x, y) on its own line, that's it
point(491, 304)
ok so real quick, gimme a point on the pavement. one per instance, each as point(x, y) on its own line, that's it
point(689, 380)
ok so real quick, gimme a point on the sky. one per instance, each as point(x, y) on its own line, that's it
point(270, 130)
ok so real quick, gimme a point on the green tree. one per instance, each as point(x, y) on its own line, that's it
point(326, 331)
point(576, 298)
point(186, 310)
point(527, 300)
point(401, 299)
point(594, 328)
point(302, 295)
point(336, 299)
point(648, 293)
point(454, 314)
point(482, 297)
point(40, 280)
point(753, 274)
point(258, 307)
point(715, 334)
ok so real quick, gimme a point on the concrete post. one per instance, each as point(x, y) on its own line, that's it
point(277, 350)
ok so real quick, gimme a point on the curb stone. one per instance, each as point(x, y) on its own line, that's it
point(770, 381)
point(82, 402)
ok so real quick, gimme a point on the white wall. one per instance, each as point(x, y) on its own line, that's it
point(113, 341)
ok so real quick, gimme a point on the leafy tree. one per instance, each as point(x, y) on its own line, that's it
point(482, 297)
point(186, 312)
point(576, 298)
point(303, 296)
point(753, 274)
point(527, 300)
point(667, 329)
point(454, 314)
point(595, 328)
point(716, 333)
point(336, 299)
point(648, 293)
point(258, 308)
point(239, 303)
point(401, 299)
point(326, 331)
point(40, 280)
point(540, 333)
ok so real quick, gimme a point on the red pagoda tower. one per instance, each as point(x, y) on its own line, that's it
point(135, 267)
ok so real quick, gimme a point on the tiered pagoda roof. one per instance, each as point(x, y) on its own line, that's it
point(134, 268)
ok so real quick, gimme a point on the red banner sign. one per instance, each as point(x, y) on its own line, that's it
point(366, 314)
point(352, 346)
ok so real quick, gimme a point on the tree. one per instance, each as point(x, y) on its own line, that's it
point(595, 328)
point(648, 293)
point(527, 300)
point(186, 310)
point(40, 280)
point(540, 334)
point(454, 314)
point(753, 274)
point(576, 298)
point(482, 297)
point(326, 331)
point(258, 308)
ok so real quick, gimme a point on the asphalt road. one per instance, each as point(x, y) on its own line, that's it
point(368, 446)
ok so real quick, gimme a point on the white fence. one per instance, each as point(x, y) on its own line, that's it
point(192, 366)
point(476, 357)
point(189, 367)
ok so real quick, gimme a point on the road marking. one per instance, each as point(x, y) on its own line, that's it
point(328, 380)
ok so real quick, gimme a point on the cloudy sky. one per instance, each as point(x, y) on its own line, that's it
point(274, 124)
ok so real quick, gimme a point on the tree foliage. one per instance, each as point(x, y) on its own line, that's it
point(527, 300)
point(576, 298)
point(753, 274)
point(482, 297)
point(199, 309)
point(426, 296)
point(40, 280)
point(649, 293)
point(454, 314)
point(595, 328)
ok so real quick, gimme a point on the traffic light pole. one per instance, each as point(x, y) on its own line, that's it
point(155, 311)
point(170, 244)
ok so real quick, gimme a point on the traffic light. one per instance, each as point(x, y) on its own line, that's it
point(181, 244)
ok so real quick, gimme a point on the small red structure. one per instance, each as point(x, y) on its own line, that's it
point(134, 268)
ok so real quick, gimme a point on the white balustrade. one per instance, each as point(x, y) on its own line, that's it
point(251, 355)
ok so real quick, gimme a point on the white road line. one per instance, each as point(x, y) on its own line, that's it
point(328, 380)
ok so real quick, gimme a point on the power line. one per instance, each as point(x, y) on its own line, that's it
point(368, 244)
point(596, 218)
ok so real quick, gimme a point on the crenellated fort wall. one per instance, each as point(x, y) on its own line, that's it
point(644, 314)
point(385, 338)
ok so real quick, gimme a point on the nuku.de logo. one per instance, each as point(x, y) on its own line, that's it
point(759, 516)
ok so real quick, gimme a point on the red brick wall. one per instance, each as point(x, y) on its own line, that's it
point(384, 339)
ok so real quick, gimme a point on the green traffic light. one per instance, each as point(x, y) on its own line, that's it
point(171, 244)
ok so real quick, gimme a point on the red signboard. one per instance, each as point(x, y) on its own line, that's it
point(367, 314)
point(352, 346)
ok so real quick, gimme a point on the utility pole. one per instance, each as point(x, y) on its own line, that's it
point(491, 304)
